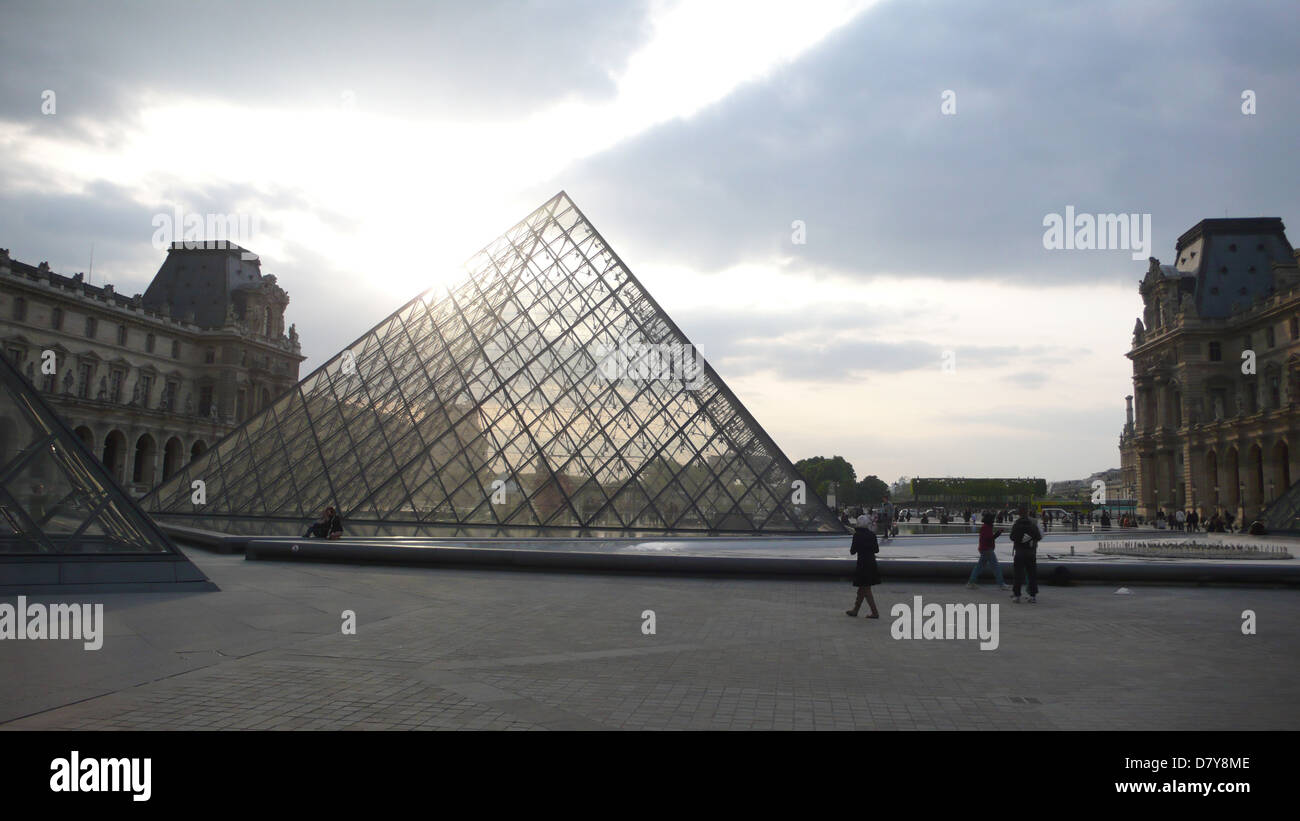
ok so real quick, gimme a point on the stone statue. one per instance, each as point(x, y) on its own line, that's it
point(1139, 332)
point(1188, 305)
point(135, 393)
point(1218, 406)
point(293, 334)
point(31, 372)
point(189, 404)
point(103, 389)
point(67, 381)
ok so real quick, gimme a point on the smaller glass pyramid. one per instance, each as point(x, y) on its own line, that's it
point(55, 497)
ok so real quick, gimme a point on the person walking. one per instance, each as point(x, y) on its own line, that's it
point(865, 546)
point(886, 518)
point(1025, 537)
point(988, 555)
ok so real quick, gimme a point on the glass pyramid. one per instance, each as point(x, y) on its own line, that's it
point(548, 393)
point(1283, 515)
point(58, 502)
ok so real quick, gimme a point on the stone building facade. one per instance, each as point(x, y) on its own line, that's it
point(1213, 423)
point(150, 381)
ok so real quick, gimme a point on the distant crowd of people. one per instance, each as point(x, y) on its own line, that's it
point(1220, 521)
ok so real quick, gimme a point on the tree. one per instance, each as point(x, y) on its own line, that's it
point(871, 491)
point(819, 472)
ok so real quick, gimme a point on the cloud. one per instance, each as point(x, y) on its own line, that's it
point(1057, 105)
point(825, 343)
point(482, 60)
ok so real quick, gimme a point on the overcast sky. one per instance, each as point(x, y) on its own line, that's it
point(920, 145)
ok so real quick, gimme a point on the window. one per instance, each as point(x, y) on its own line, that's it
point(240, 399)
point(1295, 328)
point(56, 319)
point(1274, 392)
point(1245, 343)
point(20, 309)
point(1270, 337)
point(1216, 352)
point(176, 349)
point(15, 356)
point(47, 384)
point(121, 334)
point(210, 355)
point(149, 343)
point(205, 400)
point(91, 326)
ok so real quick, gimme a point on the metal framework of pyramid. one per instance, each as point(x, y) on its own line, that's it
point(494, 405)
point(64, 522)
point(1283, 515)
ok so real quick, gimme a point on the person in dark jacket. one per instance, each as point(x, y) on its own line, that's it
point(328, 526)
point(988, 555)
point(1025, 537)
point(865, 546)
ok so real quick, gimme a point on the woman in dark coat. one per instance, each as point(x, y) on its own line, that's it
point(865, 546)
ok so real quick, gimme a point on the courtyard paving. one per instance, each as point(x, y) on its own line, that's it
point(515, 650)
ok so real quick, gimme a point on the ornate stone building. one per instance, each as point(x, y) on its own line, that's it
point(150, 381)
point(1216, 373)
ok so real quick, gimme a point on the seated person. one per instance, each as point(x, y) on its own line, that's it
point(328, 526)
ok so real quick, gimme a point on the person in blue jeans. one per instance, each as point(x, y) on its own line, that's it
point(988, 555)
